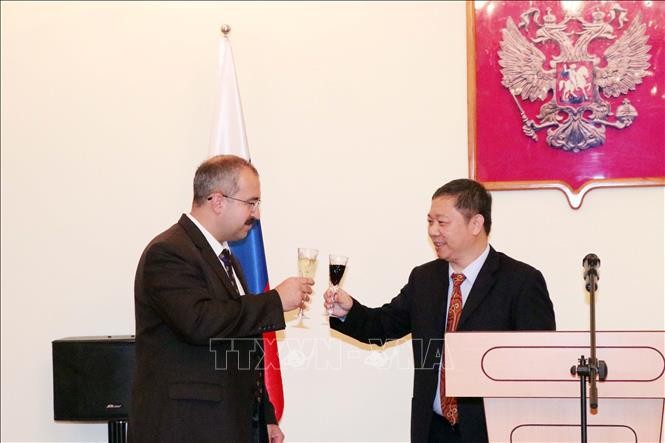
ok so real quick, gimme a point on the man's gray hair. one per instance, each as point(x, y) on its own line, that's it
point(219, 174)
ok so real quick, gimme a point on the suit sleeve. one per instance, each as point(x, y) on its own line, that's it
point(533, 309)
point(268, 409)
point(379, 325)
point(176, 287)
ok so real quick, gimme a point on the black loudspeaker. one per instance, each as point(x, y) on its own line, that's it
point(92, 378)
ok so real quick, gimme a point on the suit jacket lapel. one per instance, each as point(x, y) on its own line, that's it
point(207, 253)
point(438, 300)
point(481, 286)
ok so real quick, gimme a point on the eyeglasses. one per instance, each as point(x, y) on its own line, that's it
point(253, 203)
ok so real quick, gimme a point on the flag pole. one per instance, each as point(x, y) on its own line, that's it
point(229, 138)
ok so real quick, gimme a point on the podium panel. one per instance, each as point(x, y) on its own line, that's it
point(531, 396)
point(553, 420)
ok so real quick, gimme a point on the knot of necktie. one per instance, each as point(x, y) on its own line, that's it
point(458, 279)
point(225, 256)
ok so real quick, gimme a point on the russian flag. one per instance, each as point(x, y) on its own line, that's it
point(229, 138)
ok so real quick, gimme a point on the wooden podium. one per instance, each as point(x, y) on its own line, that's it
point(531, 396)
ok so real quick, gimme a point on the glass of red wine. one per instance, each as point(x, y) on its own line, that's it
point(337, 268)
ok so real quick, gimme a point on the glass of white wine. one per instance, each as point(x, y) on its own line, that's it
point(306, 268)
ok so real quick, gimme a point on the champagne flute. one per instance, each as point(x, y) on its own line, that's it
point(336, 269)
point(306, 268)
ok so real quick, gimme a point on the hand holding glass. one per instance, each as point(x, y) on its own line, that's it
point(337, 267)
point(306, 268)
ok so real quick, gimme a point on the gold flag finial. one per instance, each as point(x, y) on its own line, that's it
point(225, 30)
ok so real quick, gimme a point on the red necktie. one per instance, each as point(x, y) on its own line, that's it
point(449, 404)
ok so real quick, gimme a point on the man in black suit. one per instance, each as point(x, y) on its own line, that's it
point(494, 292)
point(199, 356)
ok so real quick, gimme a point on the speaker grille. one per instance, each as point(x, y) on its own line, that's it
point(92, 377)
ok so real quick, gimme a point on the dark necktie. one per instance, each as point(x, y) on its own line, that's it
point(225, 257)
point(449, 404)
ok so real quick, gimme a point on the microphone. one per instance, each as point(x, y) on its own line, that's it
point(591, 368)
point(591, 263)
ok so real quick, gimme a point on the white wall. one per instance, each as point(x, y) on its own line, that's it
point(355, 113)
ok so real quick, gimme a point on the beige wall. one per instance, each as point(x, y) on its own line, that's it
point(355, 113)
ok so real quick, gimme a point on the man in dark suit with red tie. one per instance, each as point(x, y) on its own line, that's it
point(199, 356)
point(469, 287)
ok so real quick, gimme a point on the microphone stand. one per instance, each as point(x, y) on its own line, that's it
point(591, 368)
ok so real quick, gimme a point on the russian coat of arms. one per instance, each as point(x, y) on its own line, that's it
point(577, 114)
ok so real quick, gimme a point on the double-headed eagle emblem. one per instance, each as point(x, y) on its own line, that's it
point(576, 116)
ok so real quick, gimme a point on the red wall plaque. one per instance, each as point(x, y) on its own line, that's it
point(551, 43)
